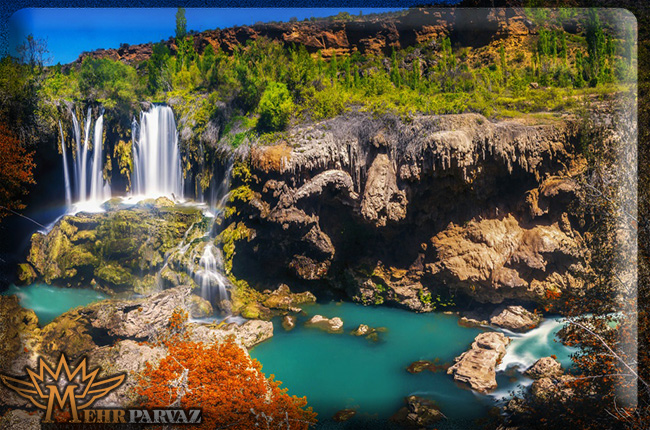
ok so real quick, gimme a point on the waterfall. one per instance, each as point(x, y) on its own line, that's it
point(66, 173)
point(210, 276)
point(91, 188)
point(81, 161)
point(99, 189)
point(156, 157)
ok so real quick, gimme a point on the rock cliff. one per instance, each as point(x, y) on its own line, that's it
point(411, 213)
point(344, 35)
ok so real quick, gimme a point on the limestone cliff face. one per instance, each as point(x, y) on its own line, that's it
point(367, 35)
point(386, 211)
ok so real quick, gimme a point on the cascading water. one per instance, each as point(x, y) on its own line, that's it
point(524, 350)
point(91, 188)
point(66, 174)
point(156, 172)
point(214, 285)
point(156, 157)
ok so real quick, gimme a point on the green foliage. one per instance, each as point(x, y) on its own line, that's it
point(109, 82)
point(275, 107)
point(156, 68)
point(181, 24)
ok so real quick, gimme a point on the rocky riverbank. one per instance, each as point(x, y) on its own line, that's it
point(115, 335)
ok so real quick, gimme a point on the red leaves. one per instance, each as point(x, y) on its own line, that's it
point(16, 166)
point(221, 379)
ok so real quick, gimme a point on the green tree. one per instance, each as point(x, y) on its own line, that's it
point(208, 59)
point(155, 66)
point(596, 49)
point(181, 24)
point(275, 107)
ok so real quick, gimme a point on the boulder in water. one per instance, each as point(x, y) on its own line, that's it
point(344, 415)
point(476, 366)
point(333, 325)
point(289, 322)
point(545, 367)
point(515, 318)
point(418, 413)
point(422, 365)
point(362, 330)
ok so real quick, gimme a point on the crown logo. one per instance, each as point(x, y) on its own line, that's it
point(80, 388)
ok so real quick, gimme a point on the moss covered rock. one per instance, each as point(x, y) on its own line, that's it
point(118, 250)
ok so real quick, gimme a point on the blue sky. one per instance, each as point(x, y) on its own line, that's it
point(69, 32)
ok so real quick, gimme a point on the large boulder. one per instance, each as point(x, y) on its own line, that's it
point(477, 366)
point(332, 325)
point(82, 329)
point(545, 367)
point(515, 318)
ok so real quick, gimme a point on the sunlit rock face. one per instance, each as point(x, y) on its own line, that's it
point(385, 211)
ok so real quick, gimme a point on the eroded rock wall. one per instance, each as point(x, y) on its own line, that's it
point(381, 210)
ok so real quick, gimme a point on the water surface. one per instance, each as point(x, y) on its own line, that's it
point(48, 302)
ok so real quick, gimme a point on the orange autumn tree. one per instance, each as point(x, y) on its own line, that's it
point(16, 166)
point(223, 381)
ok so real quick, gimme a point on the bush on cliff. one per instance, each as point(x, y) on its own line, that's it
point(275, 107)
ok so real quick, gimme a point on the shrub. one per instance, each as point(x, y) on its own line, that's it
point(275, 107)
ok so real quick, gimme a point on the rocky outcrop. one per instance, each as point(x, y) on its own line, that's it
point(499, 259)
point(119, 250)
point(249, 334)
point(382, 200)
point(476, 367)
point(418, 413)
point(515, 318)
point(347, 34)
point(283, 299)
point(545, 367)
point(332, 325)
point(119, 336)
point(128, 357)
point(409, 214)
